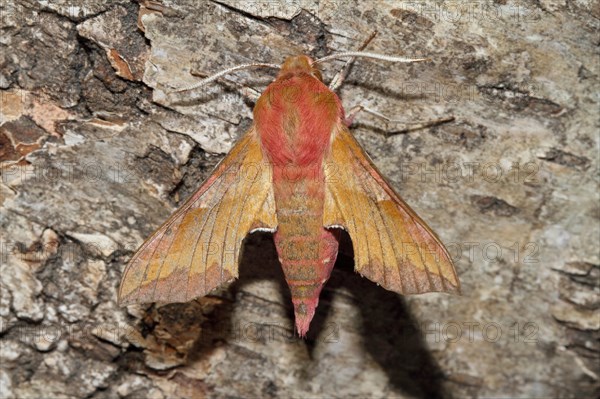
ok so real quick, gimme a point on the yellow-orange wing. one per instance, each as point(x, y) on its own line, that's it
point(392, 245)
point(197, 249)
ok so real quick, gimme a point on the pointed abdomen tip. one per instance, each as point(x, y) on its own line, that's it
point(304, 312)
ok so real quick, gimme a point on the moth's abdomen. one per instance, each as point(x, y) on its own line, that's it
point(307, 251)
point(306, 256)
point(307, 267)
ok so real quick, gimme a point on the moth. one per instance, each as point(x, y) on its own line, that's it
point(300, 174)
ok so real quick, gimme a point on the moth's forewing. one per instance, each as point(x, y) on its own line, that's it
point(197, 249)
point(392, 245)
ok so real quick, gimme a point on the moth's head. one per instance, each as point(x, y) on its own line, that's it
point(299, 64)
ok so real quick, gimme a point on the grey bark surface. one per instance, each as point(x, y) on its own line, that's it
point(95, 155)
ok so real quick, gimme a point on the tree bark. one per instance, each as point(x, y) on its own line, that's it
point(95, 155)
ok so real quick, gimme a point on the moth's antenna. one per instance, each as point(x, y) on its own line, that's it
point(361, 54)
point(217, 75)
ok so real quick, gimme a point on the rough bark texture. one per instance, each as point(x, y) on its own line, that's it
point(95, 156)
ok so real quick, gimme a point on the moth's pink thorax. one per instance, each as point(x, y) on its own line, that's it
point(296, 115)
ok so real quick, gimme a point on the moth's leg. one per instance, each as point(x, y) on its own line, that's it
point(245, 91)
point(351, 114)
point(339, 77)
point(156, 6)
point(409, 126)
point(248, 93)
